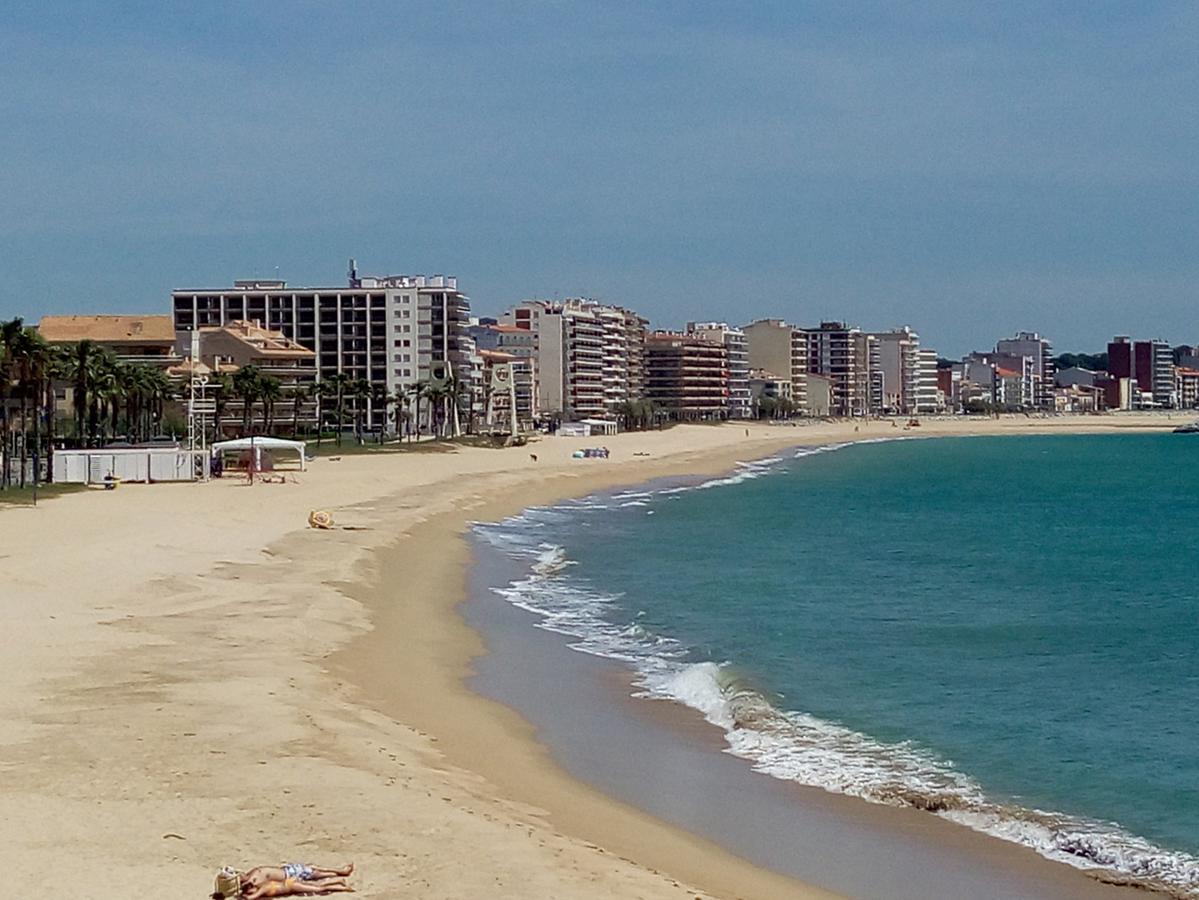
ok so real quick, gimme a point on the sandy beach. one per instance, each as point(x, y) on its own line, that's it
point(191, 678)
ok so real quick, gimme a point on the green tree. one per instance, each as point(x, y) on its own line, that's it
point(270, 391)
point(246, 384)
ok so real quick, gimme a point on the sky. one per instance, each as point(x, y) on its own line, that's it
point(970, 169)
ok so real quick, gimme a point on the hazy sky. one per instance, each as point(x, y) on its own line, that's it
point(969, 169)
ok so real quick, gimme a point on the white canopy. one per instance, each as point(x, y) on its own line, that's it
point(258, 444)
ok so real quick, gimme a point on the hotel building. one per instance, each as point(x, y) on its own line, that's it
point(394, 332)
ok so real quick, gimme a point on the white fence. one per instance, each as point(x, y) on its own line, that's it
point(134, 464)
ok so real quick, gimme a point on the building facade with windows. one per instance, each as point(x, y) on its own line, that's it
point(1039, 371)
point(775, 346)
point(687, 377)
point(590, 356)
point(736, 344)
point(848, 357)
point(394, 332)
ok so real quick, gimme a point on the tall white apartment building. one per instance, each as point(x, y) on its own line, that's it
point(927, 397)
point(590, 356)
point(394, 332)
point(1039, 351)
point(780, 349)
point(898, 352)
point(740, 404)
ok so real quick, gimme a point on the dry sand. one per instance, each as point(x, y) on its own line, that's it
point(189, 677)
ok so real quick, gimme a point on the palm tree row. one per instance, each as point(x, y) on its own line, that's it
point(111, 398)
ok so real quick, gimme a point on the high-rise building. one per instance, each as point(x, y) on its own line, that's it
point(734, 341)
point(774, 346)
point(898, 369)
point(1039, 351)
point(928, 397)
point(686, 377)
point(1148, 366)
point(849, 358)
point(590, 356)
point(394, 332)
point(1154, 371)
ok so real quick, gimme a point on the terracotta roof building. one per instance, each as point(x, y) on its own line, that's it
point(152, 336)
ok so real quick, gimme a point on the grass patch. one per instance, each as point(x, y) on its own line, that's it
point(17, 496)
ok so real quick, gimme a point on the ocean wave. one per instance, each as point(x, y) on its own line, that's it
point(793, 745)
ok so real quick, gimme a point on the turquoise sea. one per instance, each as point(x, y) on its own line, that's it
point(1003, 631)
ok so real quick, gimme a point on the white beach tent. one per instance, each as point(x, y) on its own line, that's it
point(259, 444)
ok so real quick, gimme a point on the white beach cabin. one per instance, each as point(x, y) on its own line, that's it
point(259, 445)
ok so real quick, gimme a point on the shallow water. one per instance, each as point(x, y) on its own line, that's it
point(999, 630)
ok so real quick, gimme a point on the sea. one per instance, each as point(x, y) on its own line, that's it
point(1000, 631)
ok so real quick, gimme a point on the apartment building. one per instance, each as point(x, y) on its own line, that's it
point(898, 370)
point(228, 348)
point(393, 332)
point(1148, 366)
point(775, 346)
point(736, 344)
point(1039, 372)
point(590, 357)
point(687, 377)
point(147, 339)
point(929, 398)
point(849, 358)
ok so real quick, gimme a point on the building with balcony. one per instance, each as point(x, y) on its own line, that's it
point(898, 370)
point(226, 349)
point(394, 332)
point(1038, 393)
point(590, 357)
point(928, 398)
point(775, 346)
point(736, 343)
point(687, 377)
point(849, 358)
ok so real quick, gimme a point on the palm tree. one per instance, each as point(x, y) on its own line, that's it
point(299, 394)
point(270, 391)
point(381, 399)
point(221, 386)
point(360, 392)
point(246, 383)
point(336, 386)
point(9, 340)
point(30, 354)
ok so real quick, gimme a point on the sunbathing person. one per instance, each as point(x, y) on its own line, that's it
point(291, 887)
point(260, 875)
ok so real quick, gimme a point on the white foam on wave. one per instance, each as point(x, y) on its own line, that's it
point(793, 745)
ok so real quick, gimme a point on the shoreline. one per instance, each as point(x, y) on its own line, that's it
point(529, 771)
point(193, 678)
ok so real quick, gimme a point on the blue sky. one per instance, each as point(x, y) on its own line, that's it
point(970, 169)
